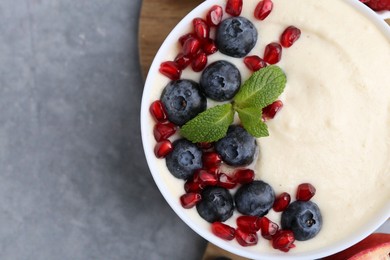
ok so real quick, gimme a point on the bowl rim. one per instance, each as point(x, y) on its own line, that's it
point(370, 227)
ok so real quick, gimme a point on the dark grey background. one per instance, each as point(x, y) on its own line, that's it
point(74, 183)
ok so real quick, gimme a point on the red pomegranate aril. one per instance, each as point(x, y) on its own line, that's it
point(170, 69)
point(201, 28)
point(189, 200)
point(254, 63)
point(290, 35)
point(248, 223)
point(378, 5)
point(214, 170)
point(268, 228)
point(207, 179)
point(283, 240)
point(246, 238)
point(157, 110)
point(223, 231)
point(305, 192)
point(185, 37)
point(199, 62)
point(182, 61)
point(270, 111)
point(205, 145)
point(191, 186)
point(195, 176)
point(211, 159)
point(191, 47)
point(162, 131)
point(209, 47)
point(226, 181)
point(243, 176)
point(273, 53)
point(281, 202)
point(163, 148)
point(214, 15)
point(263, 9)
point(234, 7)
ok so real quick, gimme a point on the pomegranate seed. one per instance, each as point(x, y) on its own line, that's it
point(158, 112)
point(211, 159)
point(283, 240)
point(162, 131)
point(170, 69)
point(214, 170)
point(207, 179)
point(223, 231)
point(199, 62)
point(281, 202)
point(254, 63)
point(290, 35)
point(201, 28)
point(378, 5)
point(248, 223)
point(270, 111)
point(191, 186)
point(185, 37)
point(243, 176)
point(209, 47)
point(182, 61)
point(214, 15)
point(163, 148)
point(273, 53)
point(195, 176)
point(246, 239)
point(234, 7)
point(263, 9)
point(305, 192)
point(226, 181)
point(268, 228)
point(191, 47)
point(189, 200)
point(205, 145)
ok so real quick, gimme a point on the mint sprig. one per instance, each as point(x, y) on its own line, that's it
point(210, 125)
point(251, 120)
point(260, 90)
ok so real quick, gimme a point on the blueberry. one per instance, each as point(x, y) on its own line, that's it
point(255, 198)
point(220, 81)
point(236, 37)
point(185, 158)
point(303, 218)
point(183, 100)
point(238, 147)
point(216, 204)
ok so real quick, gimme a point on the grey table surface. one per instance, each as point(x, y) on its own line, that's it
point(74, 183)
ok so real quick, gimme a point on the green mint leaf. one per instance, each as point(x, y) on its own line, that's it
point(261, 89)
point(251, 120)
point(210, 125)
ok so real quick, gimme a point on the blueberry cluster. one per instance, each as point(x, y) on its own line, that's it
point(183, 99)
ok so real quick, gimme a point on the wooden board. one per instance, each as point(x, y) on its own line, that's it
point(158, 18)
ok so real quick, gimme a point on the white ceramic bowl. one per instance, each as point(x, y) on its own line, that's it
point(165, 184)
